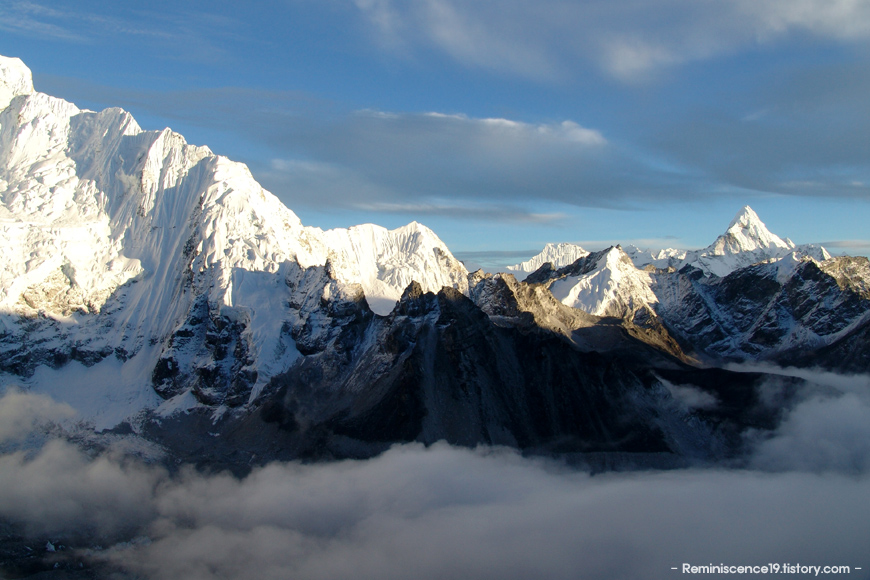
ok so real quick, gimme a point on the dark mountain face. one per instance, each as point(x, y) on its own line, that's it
point(760, 313)
point(510, 365)
point(440, 367)
point(455, 375)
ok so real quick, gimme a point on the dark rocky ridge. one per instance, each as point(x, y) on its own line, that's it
point(523, 371)
point(813, 316)
point(508, 365)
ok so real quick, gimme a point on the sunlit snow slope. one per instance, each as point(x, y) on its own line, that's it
point(608, 285)
point(558, 255)
point(110, 234)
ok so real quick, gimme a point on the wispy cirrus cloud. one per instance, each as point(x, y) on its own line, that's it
point(68, 23)
point(37, 20)
point(185, 35)
point(628, 39)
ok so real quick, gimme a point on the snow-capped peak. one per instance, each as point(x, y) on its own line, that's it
point(559, 255)
point(116, 238)
point(746, 241)
point(658, 258)
point(745, 217)
point(90, 201)
point(15, 79)
point(605, 284)
point(385, 261)
point(750, 233)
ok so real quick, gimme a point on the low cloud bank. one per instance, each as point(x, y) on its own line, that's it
point(23, 414)
point(61, 489)
point(445, 512)
point(826, 430)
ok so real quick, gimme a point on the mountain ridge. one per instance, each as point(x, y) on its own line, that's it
point(559, 255)
point(745, 241)
point(119, 237)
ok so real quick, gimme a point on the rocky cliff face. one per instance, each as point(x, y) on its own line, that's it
point(545, 379)
point(776, 311)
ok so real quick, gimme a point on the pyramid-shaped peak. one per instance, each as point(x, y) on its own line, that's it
point(747, 233)
point(750, 232)
point(15, 79)
point(746, 218)
point(747, 241)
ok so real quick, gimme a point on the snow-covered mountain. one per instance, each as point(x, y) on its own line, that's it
point(790, 310)
point(558, 255)
point(114, 237)
point(604, 283)
point(749, 295)
point(747, 241)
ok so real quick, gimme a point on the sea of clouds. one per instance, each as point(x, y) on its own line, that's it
point(449, 512)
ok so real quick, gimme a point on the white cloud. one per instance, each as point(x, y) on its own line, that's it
point(825, 427)
point(61, 489)
point(821, 434)
point(628, 39)
point(691, 397)
point(447, 512)
point(838, 19)
point(437, 163)
point(450, 512)
point(403, 159)
point(22, 413)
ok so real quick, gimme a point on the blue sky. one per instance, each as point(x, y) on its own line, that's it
point(502, 125)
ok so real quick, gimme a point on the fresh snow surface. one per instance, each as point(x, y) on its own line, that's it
point(103, 395)
point(559, 255)
point(384, 261)
point(110, 233)
point(613, 287)
point(15, 79)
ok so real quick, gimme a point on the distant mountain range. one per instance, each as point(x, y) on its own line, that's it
point(159, 290)
point(747, 241)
